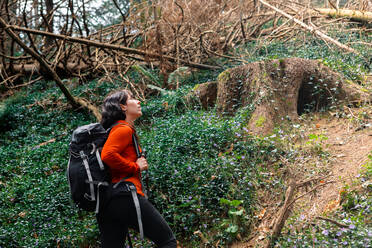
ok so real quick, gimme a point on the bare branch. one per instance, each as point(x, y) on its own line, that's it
point(112, 46)
point(311, 29)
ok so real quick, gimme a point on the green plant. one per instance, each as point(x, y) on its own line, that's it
point(316, 141)
point(233, 225)
point(152, 77)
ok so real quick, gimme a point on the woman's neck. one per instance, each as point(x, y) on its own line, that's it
point(130, 121)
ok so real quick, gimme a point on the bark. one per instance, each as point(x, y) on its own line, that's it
point(35, 7)
point(49, 24)
point(356, 15)
point(280, 90)
point(283, 212)
point(75, 102)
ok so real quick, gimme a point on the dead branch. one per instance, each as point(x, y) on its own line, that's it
point(27, 84)
point(15, 58)
point(283, 212)
point(113, 46)
point(311, 29)
point(308, 192)
point(332, 221)
point(75, 102)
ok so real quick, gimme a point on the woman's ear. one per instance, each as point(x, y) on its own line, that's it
point(123, 107)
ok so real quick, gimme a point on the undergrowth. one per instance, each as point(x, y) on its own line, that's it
point(199, 161)
point(205, 170)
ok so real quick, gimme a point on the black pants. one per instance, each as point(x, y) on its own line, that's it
point(120, 213)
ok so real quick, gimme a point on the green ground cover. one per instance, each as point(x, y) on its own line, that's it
point(204, 169)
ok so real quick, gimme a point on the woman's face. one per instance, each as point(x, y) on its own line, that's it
point(132, 108)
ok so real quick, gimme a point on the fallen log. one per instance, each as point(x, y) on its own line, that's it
point(364, 16)
point(127, 50)
point(71, 68)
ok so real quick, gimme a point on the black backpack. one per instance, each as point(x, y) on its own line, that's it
point(87, 175)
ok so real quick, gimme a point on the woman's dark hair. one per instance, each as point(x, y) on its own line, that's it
point(111, 110)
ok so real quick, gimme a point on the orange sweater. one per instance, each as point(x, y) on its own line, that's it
point(120, 155)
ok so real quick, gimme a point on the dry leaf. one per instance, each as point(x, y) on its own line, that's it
point(261, 214)
point(332, 206)
point(165, 105)
point(201, 236)
point(22, 214)
point(231, 148)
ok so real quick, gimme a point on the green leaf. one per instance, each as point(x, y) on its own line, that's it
point(236, 212)
point(236, 203)
point(147, 74)
point(232, 229)
point(224, 201)
point(313, 136)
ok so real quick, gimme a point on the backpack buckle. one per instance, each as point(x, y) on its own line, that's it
point(88, 197)
point(83, 155)
point(131, 187)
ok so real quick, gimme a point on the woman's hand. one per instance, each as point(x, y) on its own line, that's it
point(142, 163)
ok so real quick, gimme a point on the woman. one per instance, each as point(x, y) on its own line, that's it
point(120, 110)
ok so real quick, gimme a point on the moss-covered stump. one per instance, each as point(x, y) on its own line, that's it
point(283, 89)
point(205, 93)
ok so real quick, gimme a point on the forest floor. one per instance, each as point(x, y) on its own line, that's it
point(347, 142)
point(348, 145)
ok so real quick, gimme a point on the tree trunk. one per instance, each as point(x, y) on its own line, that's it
point(49, 25)
point(35, 8)
point(3, 37)
point(280, 90)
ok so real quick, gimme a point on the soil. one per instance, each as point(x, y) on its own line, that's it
point(349, 143)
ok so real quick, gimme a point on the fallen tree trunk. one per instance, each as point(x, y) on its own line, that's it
point(311, 29)
point(71, 68)
point(357, 15)
point(114, 47)
point(75, 102)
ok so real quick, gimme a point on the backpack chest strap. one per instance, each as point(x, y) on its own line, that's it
point(92, 197)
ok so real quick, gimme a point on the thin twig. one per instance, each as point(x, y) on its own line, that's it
point(332, 221)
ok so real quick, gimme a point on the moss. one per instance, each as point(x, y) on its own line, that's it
point(224, 76)
point(260, 121)
point(254, 82)
point(196, 87)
